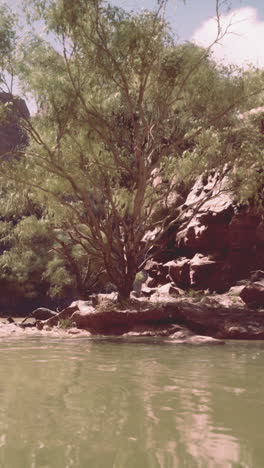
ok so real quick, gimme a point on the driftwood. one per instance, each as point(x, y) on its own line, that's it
point(40, 314)
point(10, 320)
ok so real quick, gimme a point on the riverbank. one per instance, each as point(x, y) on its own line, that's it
point(192, 320)
point(180, 335)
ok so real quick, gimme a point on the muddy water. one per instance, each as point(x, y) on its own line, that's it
point(97, 403)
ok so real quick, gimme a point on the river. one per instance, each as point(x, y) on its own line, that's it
point(116, 403)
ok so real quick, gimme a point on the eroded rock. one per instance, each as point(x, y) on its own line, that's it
point(253, 294)
point(206, 273)
point(217, 245)
point(179, 272)
point(169, 290)
point(11, 134)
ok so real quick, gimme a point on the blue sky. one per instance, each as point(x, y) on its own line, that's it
point(186, 18)
point(195, 21)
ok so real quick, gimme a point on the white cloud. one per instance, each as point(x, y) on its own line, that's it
point(244, 42)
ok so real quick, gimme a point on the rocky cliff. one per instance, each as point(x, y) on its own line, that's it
point(219, 246)
point(11, 132)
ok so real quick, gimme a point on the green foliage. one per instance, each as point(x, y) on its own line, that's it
point(7, 31)
point(65, 324)
point(33, 256)
point(8, 40)
point(195, 294)
point(60, 279)
point(140, 277)
point(247, 177)
point(25, 256)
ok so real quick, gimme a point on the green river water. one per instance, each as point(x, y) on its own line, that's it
point(116, 403)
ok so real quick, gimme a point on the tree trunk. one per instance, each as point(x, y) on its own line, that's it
point(125, 289)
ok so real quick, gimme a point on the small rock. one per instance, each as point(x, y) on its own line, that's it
point(256, 276)
point(236, 290)
point(201, 340)
point(74, 331)
point(147, 292)
point(168, 289)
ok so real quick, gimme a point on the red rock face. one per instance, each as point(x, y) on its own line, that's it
point(11, 134)
point(206, 237)
point(217, 235)
point(157, 272)
point(260, 234)
point(243, 230)
point(219, 246)
point(259, 253)
point(208, 274)
point(179, 272)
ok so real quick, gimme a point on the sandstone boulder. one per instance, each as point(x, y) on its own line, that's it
point(206, 233)
point(210, 192)
point(249, 332)
point(259, 256)
point(11, 133)
point(208, 274)
point(179, 272)
point(256, 275)
point(260, 233)
point(236, 290)
point(253, 294)
point(169, 290)
point(243, 230)
point(207, 229)
point(157, 272)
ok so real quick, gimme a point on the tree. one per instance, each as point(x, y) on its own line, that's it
point(35, 260)
point(7, 46)
point(122, 108)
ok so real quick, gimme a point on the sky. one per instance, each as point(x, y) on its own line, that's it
point(194, 20)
